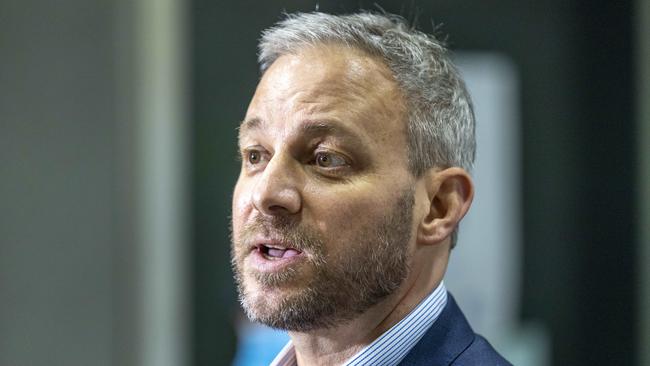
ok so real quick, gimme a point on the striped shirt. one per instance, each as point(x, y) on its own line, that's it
point(393, 345)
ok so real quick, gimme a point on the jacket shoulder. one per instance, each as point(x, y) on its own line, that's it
point(480, 352)
point(451, 341)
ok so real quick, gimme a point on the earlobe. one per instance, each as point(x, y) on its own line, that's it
point(450, 192)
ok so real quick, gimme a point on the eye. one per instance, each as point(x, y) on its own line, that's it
point(254, 156)
point(330, 160)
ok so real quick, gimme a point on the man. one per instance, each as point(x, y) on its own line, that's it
point(355, 155)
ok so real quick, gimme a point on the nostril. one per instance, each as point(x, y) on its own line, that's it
point(278, 209)
point(280, 203)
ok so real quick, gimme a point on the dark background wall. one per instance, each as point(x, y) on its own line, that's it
point(576, 63)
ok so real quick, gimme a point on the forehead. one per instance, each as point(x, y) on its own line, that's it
point(331, 82)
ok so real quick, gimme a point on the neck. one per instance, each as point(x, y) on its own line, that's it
point(333, 346)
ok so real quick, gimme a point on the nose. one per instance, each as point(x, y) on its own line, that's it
point(276, 192)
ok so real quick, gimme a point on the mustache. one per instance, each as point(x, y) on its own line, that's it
point(297, 235)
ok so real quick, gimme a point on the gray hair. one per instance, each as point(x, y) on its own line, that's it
point(441, 119)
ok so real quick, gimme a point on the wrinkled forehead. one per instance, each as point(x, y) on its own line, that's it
point(336, 80)
point(332, 63)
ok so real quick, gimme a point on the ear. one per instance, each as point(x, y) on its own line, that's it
point(450, 192)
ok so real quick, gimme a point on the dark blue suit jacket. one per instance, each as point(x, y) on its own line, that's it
point(451, 341)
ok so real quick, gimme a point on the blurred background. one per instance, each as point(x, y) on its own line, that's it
point(117, 160)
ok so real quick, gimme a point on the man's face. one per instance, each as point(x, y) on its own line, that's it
point(323, 209)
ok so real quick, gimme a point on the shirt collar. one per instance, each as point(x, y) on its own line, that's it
point(395, 343)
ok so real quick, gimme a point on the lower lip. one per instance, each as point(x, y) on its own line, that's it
point(262, 263)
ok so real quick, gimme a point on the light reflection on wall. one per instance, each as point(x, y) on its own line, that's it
point(484, 272)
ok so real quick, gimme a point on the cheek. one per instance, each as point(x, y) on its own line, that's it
point(341, 216)
point(241, 205)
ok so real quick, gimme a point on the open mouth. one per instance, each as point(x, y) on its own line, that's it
point(275, 252)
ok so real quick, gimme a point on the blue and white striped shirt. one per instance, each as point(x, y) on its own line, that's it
point(393, 345)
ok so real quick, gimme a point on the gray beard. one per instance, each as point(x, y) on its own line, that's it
point(375, 265)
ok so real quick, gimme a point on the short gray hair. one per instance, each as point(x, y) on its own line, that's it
point(441, 119)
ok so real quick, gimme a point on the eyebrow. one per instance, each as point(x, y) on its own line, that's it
point(250, 124)
point(309, 127)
